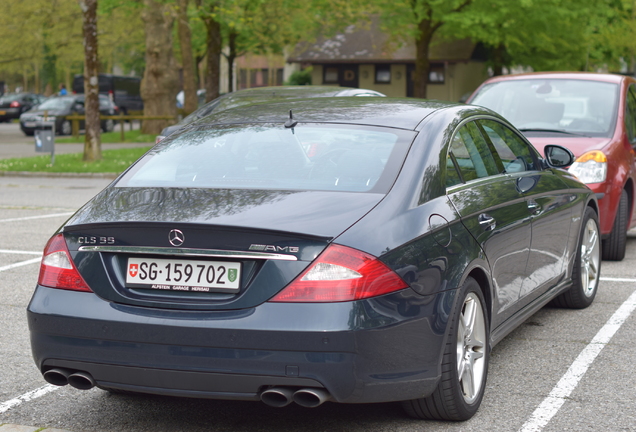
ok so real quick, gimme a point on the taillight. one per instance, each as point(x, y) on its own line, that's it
point(57, 269)
point(15, 104)
point(341, 274)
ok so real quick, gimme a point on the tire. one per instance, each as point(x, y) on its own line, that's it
point(464, 363)
point(66, 128)
point(614, 246)
point(587, 266)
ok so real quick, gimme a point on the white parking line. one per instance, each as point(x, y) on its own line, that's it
point(557, 397)
point(613, 279)
point(5, 406)
point(20, 264)
point(37, 217)
point(19, 252)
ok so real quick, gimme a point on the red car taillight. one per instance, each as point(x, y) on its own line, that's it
point(15, 104)
point(341, 274)
point(57, 269)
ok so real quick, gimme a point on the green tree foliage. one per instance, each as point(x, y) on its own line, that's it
point(612, 35)
point(36, 32)
point(419, 21)
point(42, 41)
point(542, 34)
point(121, 36)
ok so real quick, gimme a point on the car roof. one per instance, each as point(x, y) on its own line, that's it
point(261, 94)
point(590, 76)
point(295, 91)
point(403, 113)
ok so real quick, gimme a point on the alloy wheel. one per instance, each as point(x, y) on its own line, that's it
point(590, 258)
point(471, 346)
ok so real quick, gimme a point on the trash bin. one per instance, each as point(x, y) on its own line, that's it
point(45, 139)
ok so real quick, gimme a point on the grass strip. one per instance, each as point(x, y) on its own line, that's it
point(130, 136)
point(113, 161)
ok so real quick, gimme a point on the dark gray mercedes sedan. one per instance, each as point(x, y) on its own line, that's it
point(351, 250)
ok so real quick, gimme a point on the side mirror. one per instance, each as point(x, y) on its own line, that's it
point(557, 156)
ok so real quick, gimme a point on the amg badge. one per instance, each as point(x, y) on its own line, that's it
point(272, 248)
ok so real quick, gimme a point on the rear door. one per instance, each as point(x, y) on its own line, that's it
point(494, 212)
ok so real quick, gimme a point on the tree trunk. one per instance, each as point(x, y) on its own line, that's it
point(498, 60)
point(214, 58)
point(422, 63)
point(160, 83)
point(214, 47)
point(92, 139)
point(185, 41)
point(231, 57)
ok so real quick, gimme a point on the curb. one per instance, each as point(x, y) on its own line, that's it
point(109, 176)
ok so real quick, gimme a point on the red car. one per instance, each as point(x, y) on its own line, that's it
point(594, 115)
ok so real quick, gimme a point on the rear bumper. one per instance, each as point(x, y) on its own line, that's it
point(379, 350)
point(10, 113)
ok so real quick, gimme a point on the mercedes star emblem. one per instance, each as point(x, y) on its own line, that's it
point(176, 237)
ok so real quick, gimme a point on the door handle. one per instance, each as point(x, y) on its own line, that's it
point(487, 222)
point(534, 207)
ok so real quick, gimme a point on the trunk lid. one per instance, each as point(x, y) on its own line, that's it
point(252, 243)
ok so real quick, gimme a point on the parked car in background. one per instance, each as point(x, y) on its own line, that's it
point(12, 105)
point(364, 250)
point(57, 108)
point(264, 94)
point(594, 115)
point(123, 91)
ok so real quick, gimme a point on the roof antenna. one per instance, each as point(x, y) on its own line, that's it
point(291, 122)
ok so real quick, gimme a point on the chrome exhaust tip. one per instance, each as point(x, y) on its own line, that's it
point(277, 397)
point(81, 381)
point(57, 376)
point(311, 397)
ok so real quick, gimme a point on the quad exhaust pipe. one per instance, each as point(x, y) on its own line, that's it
point(61, 377)
point(276, 396)
point(58, 377)
point(311, 397)
point(81, 380)
point(307, 397)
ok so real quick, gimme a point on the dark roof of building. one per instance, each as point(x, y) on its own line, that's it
point(368, 43)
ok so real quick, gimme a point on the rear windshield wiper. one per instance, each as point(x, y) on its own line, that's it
point(561, 131)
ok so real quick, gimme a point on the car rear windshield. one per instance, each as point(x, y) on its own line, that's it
point(58, 103)
point(306, 157)
point(10, 98)
point(570, 105)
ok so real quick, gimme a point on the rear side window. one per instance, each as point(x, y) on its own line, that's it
point(514, 152)
point(307, 157)
point(470, 155)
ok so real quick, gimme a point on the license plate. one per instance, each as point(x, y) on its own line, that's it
point(183, 275)
point(29, 124)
